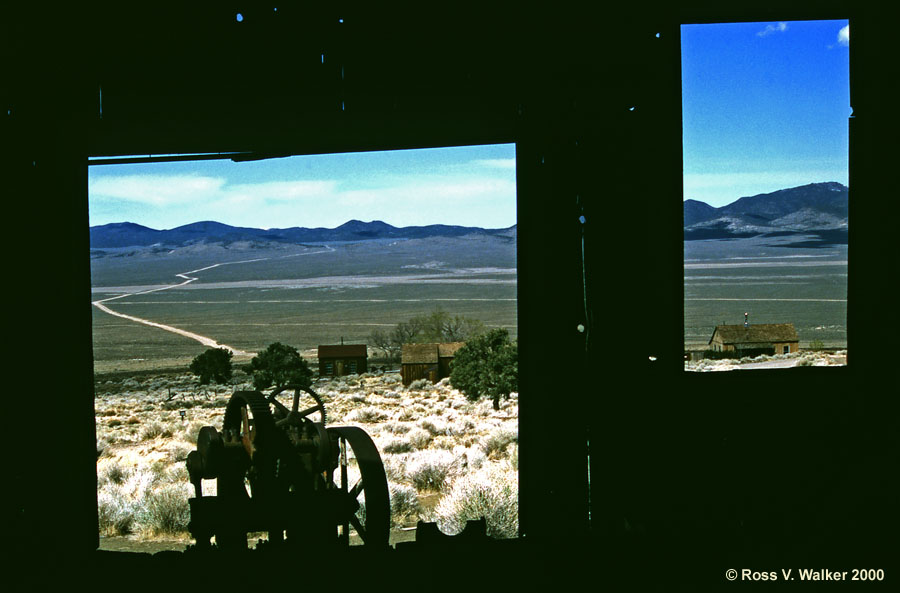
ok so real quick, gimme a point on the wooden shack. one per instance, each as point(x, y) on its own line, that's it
point(755, 339)
point(427, 361)
point(344, 359)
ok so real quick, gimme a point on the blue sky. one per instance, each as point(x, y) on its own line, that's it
point(765, 106)
point(471, 186)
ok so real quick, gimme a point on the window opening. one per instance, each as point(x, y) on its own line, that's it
point(765, 142)
point(407, 253)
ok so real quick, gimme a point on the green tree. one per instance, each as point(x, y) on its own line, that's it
point(488, 365)
point(279, 365)
point(213, 365)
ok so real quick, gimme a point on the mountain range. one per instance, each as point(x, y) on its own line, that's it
point(818, 208)
point(129, 234)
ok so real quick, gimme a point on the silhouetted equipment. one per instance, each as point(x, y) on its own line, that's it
point(275, 472)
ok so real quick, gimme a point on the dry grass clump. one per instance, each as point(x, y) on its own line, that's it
point(420, 385)
point(366, 415)
point(495, 443)
point(166, 509)
point(395, 467)
point(419, 438)
point(434, 425)
point(179, 450)
point(396, 427)
point(156, 429)
point(397, 445)
point(405, 505)
point(430, 470)
point(491, 493)
point(115, 513)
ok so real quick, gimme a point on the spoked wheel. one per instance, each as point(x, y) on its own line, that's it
point(294, 413)
point(371, 489)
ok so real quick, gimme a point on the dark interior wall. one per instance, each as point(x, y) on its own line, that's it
point(717, 470)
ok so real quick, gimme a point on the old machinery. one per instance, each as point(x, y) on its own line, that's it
point(281, 471)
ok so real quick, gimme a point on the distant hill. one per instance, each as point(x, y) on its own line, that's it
point(127, 234)
point(819, 208)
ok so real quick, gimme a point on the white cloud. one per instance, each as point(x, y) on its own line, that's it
point(282, 190)
point(166, 201)
point(438, 193)
point(844, 36)
point(157, 190)
point(777, 28)
point(496, 163)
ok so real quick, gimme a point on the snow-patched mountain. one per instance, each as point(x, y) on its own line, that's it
point(807, 208)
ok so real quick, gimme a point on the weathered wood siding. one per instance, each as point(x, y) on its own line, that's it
point(414, 371)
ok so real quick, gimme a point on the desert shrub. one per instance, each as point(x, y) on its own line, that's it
point(181, 404)
point(511, 409)
point(166, 509)
point(112, 422)
point(806, 361)
point(113, 473)
point(406, 414)
point(443, 442)
point(430, 470)
point(397, 446)
point(180, 451)
point(115, 513)
point(391, 395)
point(132, 420)
point(433, 425)
point(490, 493)
point(419, 438)
point(176, 474)
point(420, 384)
point(154, 430)
point(102, 447)
point(495, 443)
point(404, 503)
point(395, 468)
point(470, 457)
point(191, 431)
point(369, 414)
point(357, 397)
point(513, 454)
point(216, 402)
point(396, 427)
point(483, 408)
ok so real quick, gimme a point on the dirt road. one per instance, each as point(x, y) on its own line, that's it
point(206, 341)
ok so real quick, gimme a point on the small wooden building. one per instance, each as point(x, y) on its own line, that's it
point(755, 339)
point(427, 361)
point(337, 361)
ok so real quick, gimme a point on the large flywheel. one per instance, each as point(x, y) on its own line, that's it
point(373, 527)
